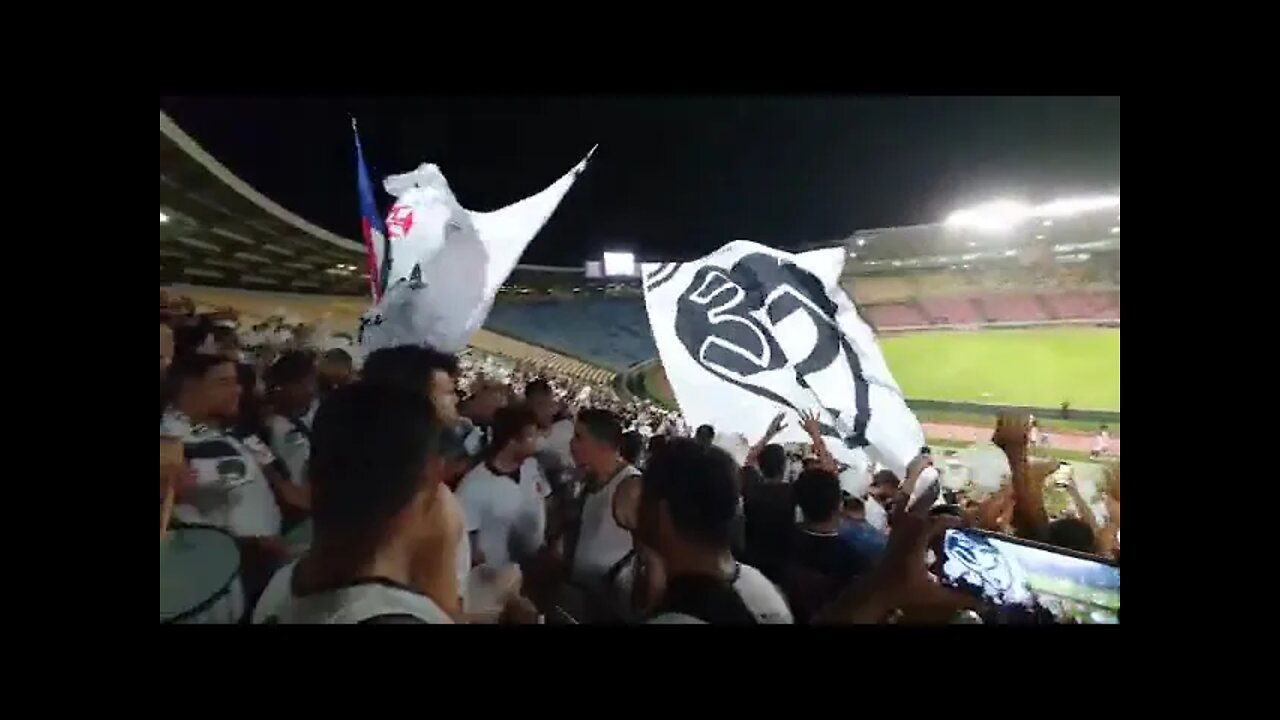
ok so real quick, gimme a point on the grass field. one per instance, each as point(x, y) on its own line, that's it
point(1036, 366)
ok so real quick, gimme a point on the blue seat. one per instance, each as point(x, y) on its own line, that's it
point(609, 331)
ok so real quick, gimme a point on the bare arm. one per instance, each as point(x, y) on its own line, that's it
point(626, 503)
point(901, 581)
point(1107, 537)
point(1029, 516)
point(825, 460)
point(1082, 508)
point(775, 426)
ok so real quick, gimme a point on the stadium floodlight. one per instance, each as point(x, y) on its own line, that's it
point(619, 263)
point(163, 218)
point(1003, 215)
point(994, 216)
point(862, 242)
point(1068, 207)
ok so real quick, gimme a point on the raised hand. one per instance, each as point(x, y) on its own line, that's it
point(777, 425)
point(1013, 430)
point(902, 581)
point(915, 469)
point(809, 420)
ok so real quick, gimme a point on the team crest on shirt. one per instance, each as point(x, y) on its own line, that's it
point(232, 468)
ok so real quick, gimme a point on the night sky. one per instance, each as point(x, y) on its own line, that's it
point(674, 176)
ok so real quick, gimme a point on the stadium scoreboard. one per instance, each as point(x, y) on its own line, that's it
point(613, 265)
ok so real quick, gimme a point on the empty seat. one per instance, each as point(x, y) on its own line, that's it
point(1013, 307)
point(1084, 305)
point(895, 315)
point(950, 310)
point(608, 331)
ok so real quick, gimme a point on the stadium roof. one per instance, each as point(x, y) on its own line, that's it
point(216, 230)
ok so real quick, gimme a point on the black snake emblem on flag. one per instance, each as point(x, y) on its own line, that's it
point(718, 323)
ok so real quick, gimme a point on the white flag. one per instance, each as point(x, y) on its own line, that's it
point(448, 262)
point(748, 332)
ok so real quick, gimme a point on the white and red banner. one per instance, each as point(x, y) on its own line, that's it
point(447, 262)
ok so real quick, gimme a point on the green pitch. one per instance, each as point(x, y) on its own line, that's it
point(1036, 366)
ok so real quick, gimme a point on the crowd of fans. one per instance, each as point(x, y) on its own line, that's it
point(414, 486)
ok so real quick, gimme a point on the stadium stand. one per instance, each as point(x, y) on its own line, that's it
point(950, 310)
point(1011, 307)
point(896, 315)
point(943, 284)
point(494, 343)
point(267, 262)
point(342, 313)
point(1103, 305)
point(883, 289)
point(609, 331)
point(217, 230)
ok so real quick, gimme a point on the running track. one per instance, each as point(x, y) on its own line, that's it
point(970, 433)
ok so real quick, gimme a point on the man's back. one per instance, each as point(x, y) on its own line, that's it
point(827, 555)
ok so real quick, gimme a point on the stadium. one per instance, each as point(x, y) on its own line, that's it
point(999, 305)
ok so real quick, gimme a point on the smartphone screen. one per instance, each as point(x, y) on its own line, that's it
point(1022, 581)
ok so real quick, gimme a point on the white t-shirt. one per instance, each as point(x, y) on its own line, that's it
point(346, 605)
point(877, 517)
point(556, 440)
point(473, 440)
point(761, 597)
point(503, 511)
point(231, 491)
point(291, 443)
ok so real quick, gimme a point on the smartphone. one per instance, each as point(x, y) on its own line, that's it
point(1028, 582)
